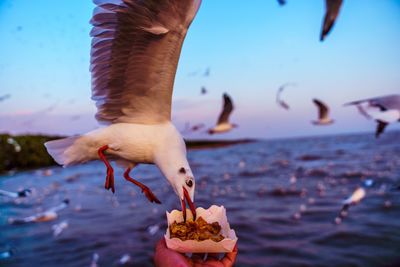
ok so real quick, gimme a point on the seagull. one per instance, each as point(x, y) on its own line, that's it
point(95, 259)
point(389, 107)
point(4, 97)
point(194, 128)
point(58, 228)
point(354, 199)
point(223, 124)
point(126, 258)
point(282, 2)
point(134, 56)
point(280, 102)
point(7, 254)
point(48, 215)
point(21, 193)
point(323, 113)
point(332, 9)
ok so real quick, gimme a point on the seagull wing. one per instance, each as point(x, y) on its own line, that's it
point(135, 51)
point(380, 128)
point(226, 110)
point(363, 112)
point(383, 103)
point(323, 110)
point(332, 8)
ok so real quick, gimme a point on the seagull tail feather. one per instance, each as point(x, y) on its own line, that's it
point(59, 150)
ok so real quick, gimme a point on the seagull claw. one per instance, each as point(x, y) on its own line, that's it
point(150, 195)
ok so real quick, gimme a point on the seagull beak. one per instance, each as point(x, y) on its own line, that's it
point(190, 203)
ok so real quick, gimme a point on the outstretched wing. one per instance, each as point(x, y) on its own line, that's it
point(135, 51)
point(226, 110)
point(383, 102)
point(332, 8)
point(323, 110)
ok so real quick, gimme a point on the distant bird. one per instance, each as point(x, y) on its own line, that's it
point(95, 259)
point(194, 128)
point(203, 90)
point(280, 102)
point(4, 97)
point(135, 51)
point(354, 199)
point(22, 193)
point(48, 215)
point(126, 258)
point(332, 9)
point(323, 113)
point(223, 124)
point(59, 228)
point(389, 107)
point(7, 254)
point(282, 2)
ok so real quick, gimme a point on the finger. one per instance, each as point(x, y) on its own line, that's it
point(165, 257)
point(230, 258)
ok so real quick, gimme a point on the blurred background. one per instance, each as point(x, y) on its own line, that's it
point(248, 50)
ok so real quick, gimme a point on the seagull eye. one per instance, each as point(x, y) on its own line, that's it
point(182, 170)
point(189, 183)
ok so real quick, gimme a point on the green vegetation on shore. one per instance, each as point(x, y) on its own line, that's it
point(25, 152)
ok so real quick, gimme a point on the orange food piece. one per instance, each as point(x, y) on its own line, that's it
point(196, 230)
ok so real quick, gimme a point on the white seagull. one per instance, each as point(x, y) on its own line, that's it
point(45, 216)
point(389, 110)
point(354, 199)
point(223, 124)
point(135, 51)
point(22, 193)
point(323, 113)
point(332, 9)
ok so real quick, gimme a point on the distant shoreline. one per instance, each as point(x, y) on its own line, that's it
point(26, 152)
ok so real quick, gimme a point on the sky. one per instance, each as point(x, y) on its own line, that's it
point(250, 48)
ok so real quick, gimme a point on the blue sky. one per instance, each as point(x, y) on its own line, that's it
point(251, 48)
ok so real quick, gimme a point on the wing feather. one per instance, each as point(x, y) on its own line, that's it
point(226, 110)
point(135, 51)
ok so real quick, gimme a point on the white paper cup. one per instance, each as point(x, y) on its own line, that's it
point(210, 215)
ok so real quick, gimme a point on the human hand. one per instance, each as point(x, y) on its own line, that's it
point(165, 257)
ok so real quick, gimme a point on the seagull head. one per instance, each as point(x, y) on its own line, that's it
point(184, 185)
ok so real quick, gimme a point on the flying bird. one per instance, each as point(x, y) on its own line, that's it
point(48, 215)
point(332, 9)
point(4, 97)
point(282, 2)
point(280, 102)
point(21, 193)
point(223, 125)
point(59, 228)
point(389, 110)
point(354, 199)
point(135, 50)
point(95, 259)
point(323, 113)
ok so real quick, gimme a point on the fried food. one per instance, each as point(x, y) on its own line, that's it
point(196, 230)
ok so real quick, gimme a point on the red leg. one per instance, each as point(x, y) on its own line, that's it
point(147, 192)
point(110, 171)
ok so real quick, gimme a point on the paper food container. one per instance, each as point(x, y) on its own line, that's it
point(210, 215)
